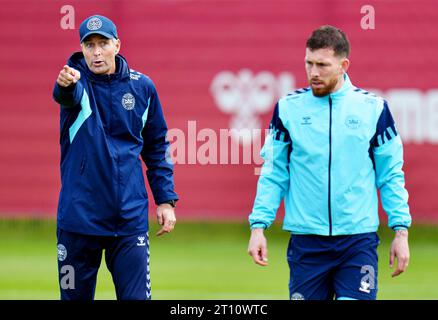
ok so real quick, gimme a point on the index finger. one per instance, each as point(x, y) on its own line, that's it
point(397, 272)
point(69, 70)
point(258, 259)
point(401, 267)
point(163, 230)
point(160, 232)
point(168, 227)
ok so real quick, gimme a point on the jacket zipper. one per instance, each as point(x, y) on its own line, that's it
point(330, 169)
point(117, 195)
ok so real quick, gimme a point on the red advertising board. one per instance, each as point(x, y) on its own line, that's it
point(219, 67)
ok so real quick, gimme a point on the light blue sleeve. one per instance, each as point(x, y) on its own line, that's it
point(390, 179)
point(274, 178)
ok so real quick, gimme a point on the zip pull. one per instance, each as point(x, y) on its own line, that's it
point(81, 171)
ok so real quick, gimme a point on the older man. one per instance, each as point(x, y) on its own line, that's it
point(110, 116)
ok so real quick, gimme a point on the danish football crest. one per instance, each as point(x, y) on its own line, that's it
point(352, 122)
point(128, 101)
point(62, 252)
point(94, 24)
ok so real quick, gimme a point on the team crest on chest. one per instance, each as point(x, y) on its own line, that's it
point(352, 122)
point(128, 101)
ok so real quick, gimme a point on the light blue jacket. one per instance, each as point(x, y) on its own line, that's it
point(327, 157)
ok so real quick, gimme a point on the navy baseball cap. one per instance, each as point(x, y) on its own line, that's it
point(98, 25)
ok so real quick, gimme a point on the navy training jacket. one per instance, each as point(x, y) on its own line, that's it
point(107, 123)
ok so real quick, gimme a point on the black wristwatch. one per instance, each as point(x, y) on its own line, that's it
point(171, 202)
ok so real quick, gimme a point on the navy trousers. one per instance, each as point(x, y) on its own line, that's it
point(127, 258)
point(328, 267)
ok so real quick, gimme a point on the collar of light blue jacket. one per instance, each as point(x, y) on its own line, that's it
point(339, 94)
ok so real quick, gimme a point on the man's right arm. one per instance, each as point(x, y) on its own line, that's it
point(68, 90)
point(274, 177)
point(272, 186)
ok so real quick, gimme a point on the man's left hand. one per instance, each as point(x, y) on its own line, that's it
point(399, 250)
point(166, 218)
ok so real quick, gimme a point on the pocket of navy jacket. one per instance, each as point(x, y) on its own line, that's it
point(82, 167)
point(79, 185)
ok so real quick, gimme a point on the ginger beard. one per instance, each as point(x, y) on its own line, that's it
point(321, 88)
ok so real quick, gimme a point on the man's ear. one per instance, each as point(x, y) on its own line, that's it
point(118, 45)
point(345, 64)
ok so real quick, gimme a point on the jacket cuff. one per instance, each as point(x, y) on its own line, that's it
point(165, 200)
point(399, 227)
point(261, 225)
point(70, 88)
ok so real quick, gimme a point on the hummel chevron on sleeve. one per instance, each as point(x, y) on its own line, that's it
point(388, 160)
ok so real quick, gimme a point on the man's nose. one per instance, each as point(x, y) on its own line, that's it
point(97, 51)
point(314, 71)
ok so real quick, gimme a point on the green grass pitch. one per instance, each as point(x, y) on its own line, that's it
point(201, 260)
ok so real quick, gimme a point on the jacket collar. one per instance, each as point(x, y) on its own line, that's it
point(346, 86)
point(339, 94)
